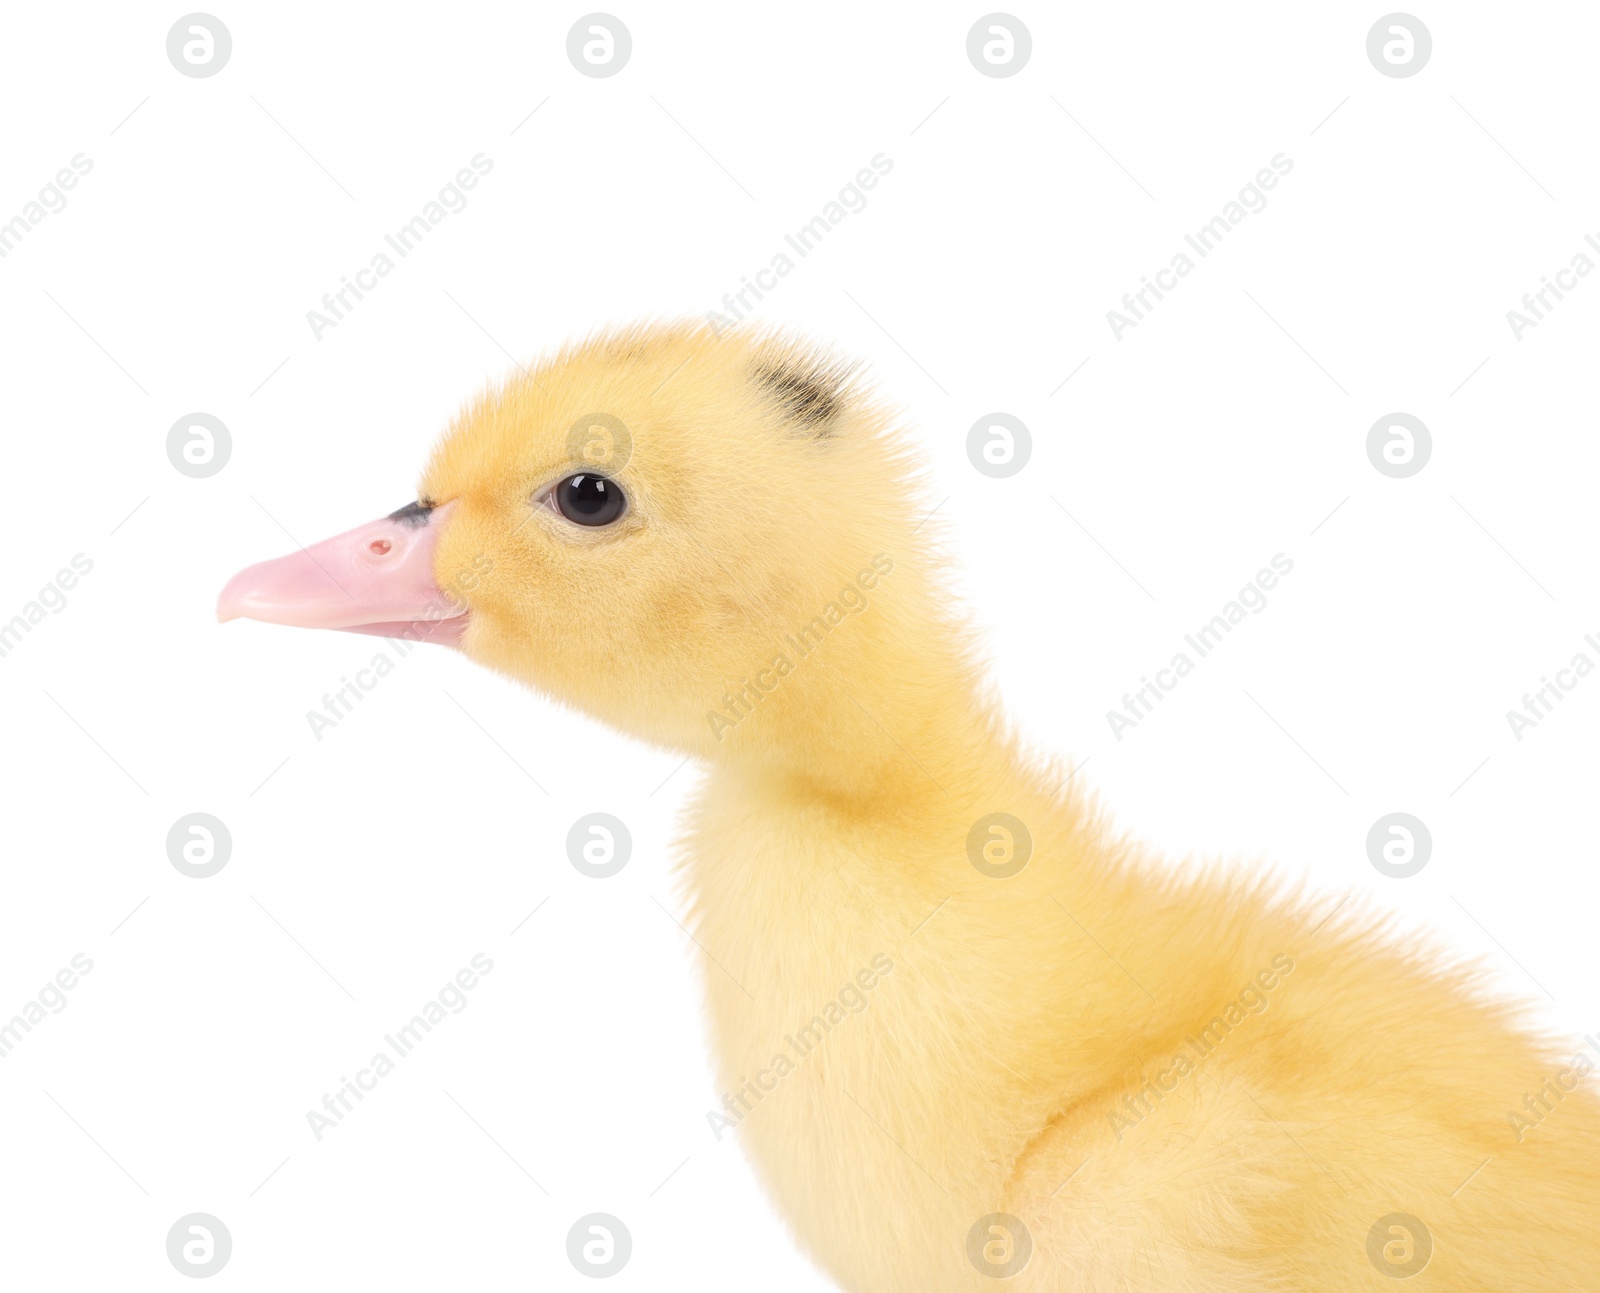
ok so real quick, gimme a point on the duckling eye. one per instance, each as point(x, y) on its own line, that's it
point(588, 499)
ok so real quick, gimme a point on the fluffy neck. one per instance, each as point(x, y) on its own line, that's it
point(880, 712)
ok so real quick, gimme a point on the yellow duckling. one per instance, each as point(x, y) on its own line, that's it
point(965, 1033)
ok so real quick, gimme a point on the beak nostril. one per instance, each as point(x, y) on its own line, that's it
point(379, 547)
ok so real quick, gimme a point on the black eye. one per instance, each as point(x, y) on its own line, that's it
point(587, 499)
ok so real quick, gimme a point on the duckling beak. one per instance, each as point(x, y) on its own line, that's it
point(377, 578)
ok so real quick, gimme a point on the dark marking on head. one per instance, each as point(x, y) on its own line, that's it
point(810, 395)
point(414, 515)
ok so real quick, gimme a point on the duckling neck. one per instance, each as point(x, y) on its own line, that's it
point(870, 725)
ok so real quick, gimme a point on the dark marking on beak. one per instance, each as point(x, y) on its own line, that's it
point(414, 515)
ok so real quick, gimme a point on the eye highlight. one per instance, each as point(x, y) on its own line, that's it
point(589, 499)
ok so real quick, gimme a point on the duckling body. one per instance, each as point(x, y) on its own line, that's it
point(1012, 1062)
point(963, 1032)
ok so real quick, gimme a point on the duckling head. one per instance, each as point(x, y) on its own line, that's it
point(708, 541)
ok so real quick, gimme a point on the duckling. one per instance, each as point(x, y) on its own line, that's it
point(966, 1033)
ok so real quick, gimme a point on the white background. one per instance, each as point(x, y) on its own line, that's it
point(370, 866)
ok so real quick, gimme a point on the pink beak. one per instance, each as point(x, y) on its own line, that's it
point(377, 578)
